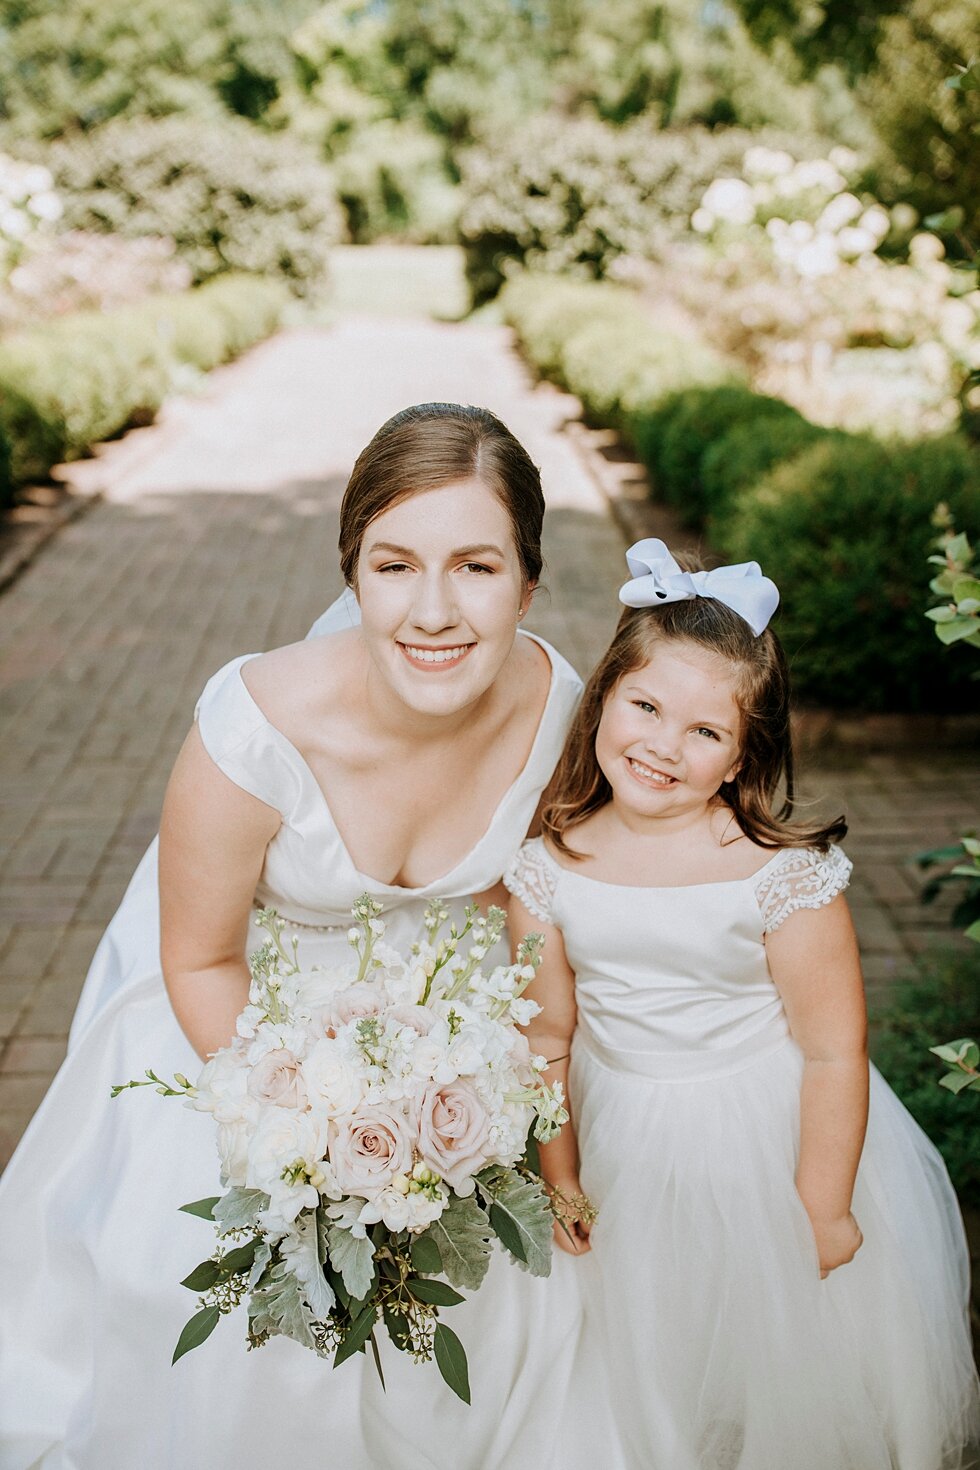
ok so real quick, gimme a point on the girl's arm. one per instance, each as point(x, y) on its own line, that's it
point(813, 958)
point(213, 837)
point(550, 1035)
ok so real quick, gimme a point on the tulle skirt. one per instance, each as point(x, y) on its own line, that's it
point(721, 1347)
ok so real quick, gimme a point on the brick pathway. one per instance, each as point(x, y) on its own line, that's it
point(217, 536)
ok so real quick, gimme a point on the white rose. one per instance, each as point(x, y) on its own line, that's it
point(222, 1087)
point(232, 1139)
point(281, 1138)
point(332, 1082)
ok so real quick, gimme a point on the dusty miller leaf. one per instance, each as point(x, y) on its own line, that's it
point(238, 1208)
point(276, 1306)
point(353, 1257)
point(300, 1250)
point(523, 1204)
point(464, 1236)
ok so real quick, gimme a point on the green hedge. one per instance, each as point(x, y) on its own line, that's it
point(693, 421)
point(939, 1003)
point(82, 378)
point(842, 523)
point(845, 529)
point(598, 343)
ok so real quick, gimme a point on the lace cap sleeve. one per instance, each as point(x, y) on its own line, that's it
point(532, 877)
point(800, 878)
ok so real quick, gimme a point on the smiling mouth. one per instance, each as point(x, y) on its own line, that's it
point(649, 776)
point(421, 657)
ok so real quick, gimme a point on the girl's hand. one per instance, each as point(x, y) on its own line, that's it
point(573, 1218)
point(838, 1241)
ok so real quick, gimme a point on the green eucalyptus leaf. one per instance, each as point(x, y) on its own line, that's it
point(451, 1361)
point(425, 1255)
point(358, 1335)
point(941, 615)
point(196, 1331)
point(203, 1208)
point(949, 1052)
point(436, 1293)
point(242, 1258)
point(202, 1278)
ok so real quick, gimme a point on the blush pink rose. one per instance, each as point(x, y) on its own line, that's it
point(357, 1001)
point(420, 1019)
point(277, 1078)
point(370, 1146)
point(454, 1131)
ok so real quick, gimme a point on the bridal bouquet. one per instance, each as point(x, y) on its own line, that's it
point(377, 1128)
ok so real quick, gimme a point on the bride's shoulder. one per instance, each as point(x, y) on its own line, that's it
point(287, 682)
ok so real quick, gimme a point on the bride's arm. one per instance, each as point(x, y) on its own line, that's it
point(213, 837)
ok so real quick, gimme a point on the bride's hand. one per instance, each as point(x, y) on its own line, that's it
point(574, 1216)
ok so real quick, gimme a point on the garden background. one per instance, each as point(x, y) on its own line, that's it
point(739, 236)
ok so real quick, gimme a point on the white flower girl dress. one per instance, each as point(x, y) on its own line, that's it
point(94, 1244)
point(724, 1349)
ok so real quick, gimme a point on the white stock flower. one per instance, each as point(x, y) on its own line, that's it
point(766, 163)
point(841, 210)
point(403, 1211)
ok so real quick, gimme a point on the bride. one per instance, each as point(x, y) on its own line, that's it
point(401, 751)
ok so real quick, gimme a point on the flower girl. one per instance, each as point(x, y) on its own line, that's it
point(777, 1274)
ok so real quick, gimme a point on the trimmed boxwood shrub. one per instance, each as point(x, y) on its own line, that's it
point(83, 377)
point(939, 1003)
point(746, 453)
point(697, 419)
point(232, 197)
point(845, 531)
point(600, 343)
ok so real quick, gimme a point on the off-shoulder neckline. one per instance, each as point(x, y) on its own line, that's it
point(556, 662)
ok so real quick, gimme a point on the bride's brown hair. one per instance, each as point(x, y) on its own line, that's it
point(578, 788)
point(433, 444)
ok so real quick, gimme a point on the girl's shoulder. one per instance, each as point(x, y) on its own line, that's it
point(532, 877)
point(799, 878)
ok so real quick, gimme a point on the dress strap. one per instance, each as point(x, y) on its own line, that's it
point(532, 876)
point(799, 878)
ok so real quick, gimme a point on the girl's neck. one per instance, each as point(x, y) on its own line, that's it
point(697, 820)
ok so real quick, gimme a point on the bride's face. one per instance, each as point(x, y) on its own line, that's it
point(440, 589)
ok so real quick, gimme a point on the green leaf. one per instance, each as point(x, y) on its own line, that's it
point(237, 1210)
point(397, 1325)
point(276, 1306)
point(353, 1257)
point(464, 1236)
point(202, 1278)
point(358, 1335)
point(196, 1331)
point(955, 631)
point(945, 614)
point(522, 1217)
point(957, 1081)
point(203, 1208)
point(242, 1258)
point(425, 1255)
point(948, 1052)
point(532, 1153)
point(436, 1293)
point(974, 932)
point(451, 1360)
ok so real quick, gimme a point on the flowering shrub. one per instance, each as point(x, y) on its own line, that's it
point(28, 207)
point(785, 270)
point(77, 271)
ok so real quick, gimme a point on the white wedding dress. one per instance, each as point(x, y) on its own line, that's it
point(724, 1350)
point(95, 1245)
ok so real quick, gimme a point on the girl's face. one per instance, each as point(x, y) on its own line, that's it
point(670, 731)
point(440, 589)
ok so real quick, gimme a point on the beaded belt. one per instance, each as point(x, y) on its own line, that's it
point(300, 924)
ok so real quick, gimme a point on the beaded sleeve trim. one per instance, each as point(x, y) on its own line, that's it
point(802, 878)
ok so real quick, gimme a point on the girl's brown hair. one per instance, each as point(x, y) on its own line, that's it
point(579, 788)
point(431, 445)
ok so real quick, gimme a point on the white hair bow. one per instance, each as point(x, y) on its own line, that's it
point(656, 578)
